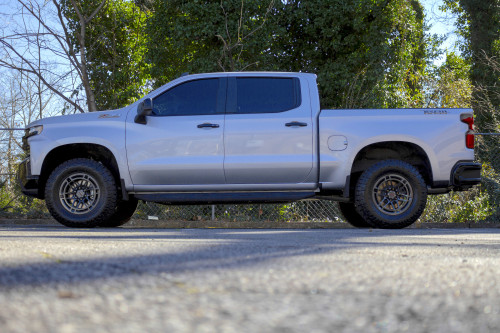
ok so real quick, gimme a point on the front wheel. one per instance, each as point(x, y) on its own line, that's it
point(351, 215)
point(123, 213)
point(390, 194)
point(81, 193)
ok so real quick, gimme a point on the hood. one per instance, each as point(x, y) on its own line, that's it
point(83, 117)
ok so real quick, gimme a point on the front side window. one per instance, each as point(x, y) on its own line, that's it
point(198, 97)
point(267, 95)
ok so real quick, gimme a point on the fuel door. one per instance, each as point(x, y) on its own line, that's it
point(337, 142)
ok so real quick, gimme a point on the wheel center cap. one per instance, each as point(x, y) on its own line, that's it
point(80, 194)
point(391, 194)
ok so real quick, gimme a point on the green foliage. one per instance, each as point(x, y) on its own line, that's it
point(457, 65)
point(473, 209)
point(491, 182)
point(478, 22)
point(206, 36)
point(115, 50)
point(367, 53)
point(481, 203)
point(450, 85)
point(13, 204)
point(470, 206)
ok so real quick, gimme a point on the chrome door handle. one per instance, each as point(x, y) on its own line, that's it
point(295, 123)
point(208, 125)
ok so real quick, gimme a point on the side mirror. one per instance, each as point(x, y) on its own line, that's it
point(145, 108)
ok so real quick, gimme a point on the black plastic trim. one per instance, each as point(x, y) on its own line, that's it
point(439, 190)
point(347, 187)
point(125, 195)
point(222, 197)
point(465, 174)
point(296, 123)
point(27, 182)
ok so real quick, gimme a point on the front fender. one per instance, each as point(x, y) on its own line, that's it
point(109, 134)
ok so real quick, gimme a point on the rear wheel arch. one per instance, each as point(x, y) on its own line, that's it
point(407, 152)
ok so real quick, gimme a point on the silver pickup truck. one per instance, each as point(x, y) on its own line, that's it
point(247, 137)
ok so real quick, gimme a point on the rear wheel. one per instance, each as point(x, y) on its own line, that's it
point(351, 215)
point(81, 193)
point(391, 195)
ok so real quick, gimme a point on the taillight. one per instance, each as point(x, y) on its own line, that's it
point(469, 140)
point(469, 136)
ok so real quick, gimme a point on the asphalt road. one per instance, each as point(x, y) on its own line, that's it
point(54, 279)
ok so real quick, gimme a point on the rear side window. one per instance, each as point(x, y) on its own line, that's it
point(197, 97)
point(267, 95)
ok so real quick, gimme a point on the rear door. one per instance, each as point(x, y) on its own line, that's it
point(268, 131)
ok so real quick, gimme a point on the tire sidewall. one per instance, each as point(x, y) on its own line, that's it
point(99, 173)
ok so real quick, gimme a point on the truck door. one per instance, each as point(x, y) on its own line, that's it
point(182, 142)
point(268, 135)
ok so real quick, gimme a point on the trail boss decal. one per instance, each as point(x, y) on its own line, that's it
point(435, 112)
point(108, 116)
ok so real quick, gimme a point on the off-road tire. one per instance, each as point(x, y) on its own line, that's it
point(351, 216)
point(81, 193)
point(123, 213)
point(390, 194)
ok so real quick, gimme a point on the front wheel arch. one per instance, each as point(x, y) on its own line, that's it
point(61, 154)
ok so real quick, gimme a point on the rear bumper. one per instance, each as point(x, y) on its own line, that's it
point(465, 175)
point(28, 182)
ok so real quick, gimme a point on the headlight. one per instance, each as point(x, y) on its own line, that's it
point(35, 130)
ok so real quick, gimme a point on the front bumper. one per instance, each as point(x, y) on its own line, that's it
point(28, 182)
point(465, 174)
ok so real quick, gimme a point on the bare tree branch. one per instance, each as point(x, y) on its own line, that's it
point(228, 47)
point(24, 50)
point(34, 71)
point(95, 11)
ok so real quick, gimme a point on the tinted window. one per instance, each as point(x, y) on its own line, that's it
point(266, 95)
point(189, 98)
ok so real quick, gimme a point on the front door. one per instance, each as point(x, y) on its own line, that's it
point(182, 142)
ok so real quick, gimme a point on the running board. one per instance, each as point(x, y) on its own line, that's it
point(182, 198)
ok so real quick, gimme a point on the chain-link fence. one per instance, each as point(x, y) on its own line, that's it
point(478, 204)
point(304, 210)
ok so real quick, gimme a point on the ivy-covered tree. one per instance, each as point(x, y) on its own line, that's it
point(211, 35)
point(367, 53)
point(478, 22)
